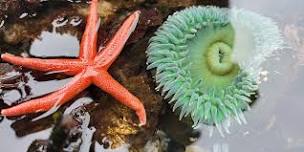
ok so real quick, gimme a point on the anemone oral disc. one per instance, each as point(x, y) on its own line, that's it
point(207, 60)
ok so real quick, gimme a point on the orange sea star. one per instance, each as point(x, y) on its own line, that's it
point(89, 68)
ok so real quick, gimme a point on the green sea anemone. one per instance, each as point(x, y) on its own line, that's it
point(208, 59)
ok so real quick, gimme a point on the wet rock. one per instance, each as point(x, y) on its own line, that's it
point(187, 3)
point(126, 4)
point(5, 72)
point(10, 78)
point(26, 125)
point(180, 132)
point(14, 8)
point(38, 146)
point(12, 85)
point(106, 9)
point(14, 35)
point(149, 19)
point(114, 121)
point(61, 21)
point(176, 3)
point(71, 134)
point(5, 68)
point(159, 142)
point(121, 126)
point(110, 8)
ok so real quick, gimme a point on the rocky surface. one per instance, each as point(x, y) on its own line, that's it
point(115, 124)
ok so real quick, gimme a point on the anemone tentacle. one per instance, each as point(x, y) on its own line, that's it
point(201, 65)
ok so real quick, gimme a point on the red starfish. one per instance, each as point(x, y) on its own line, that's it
point(90, 68)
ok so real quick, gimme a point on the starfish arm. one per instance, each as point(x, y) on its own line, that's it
point(106, 57)
point(106, 82)
point(67, 92)
point(68, 66)
point(88, 43)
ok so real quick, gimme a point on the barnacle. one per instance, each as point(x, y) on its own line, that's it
point(208, 59)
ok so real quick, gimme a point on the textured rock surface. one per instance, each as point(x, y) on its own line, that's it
point(115, 124)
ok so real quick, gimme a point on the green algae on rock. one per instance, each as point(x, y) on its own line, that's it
point(208, 59)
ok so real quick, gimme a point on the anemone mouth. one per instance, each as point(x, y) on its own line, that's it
point(215, 66)
point(196, 55)
point(218, 59)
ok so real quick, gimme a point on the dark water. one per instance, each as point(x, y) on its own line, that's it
point(274, 122)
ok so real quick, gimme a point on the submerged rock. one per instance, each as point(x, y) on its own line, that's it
point(38, 146)
point(69, 134)
point(13, 8)
point(10, 79)
point(115, 124)
point(9, 76)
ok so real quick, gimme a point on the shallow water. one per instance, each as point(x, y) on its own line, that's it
point(274, 121)
point(19, 143)
point(36, 88)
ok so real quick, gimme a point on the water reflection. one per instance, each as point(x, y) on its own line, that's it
point(55, 44)
point(19, 85)
point(20, 143)
point(31, 88)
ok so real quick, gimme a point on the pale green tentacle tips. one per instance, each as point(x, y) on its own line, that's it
point(207, 60)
